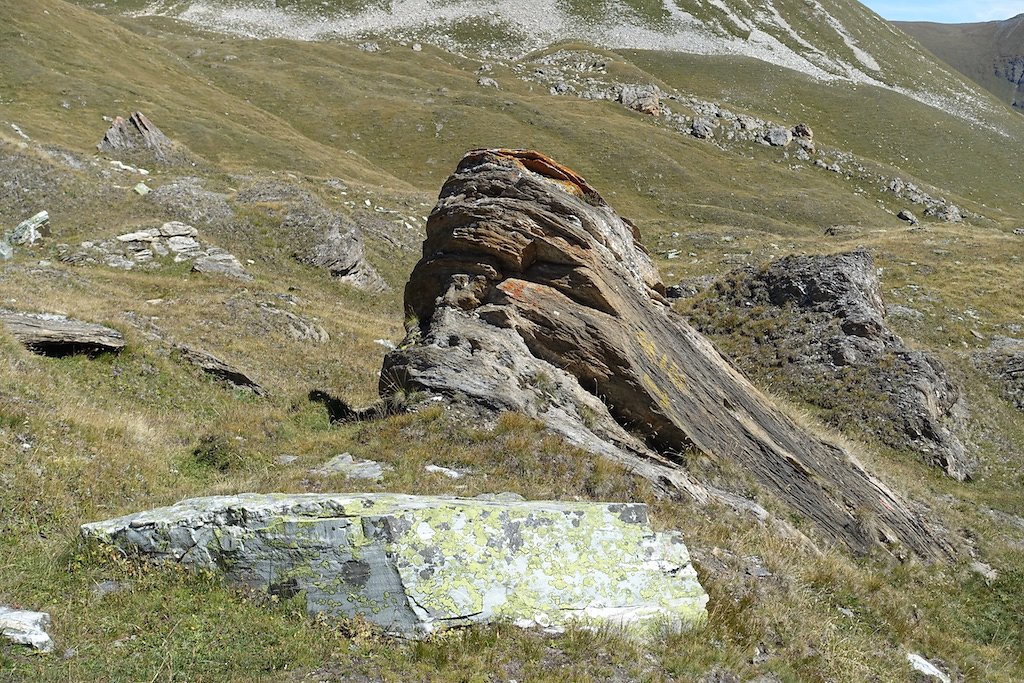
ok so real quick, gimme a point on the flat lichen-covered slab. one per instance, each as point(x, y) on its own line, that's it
point(416, 563)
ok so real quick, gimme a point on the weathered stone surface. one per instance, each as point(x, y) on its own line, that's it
point(703, 128)
point(318, 236)
point(533, 295)
point(815, 325)
point(220, 263)
point(23, 627)
point(645, 99)
point(1004, 363)
point(351, 467)
point(58, 335)
point(215, 367)
point(177, 229)
point(340, 252)
point(30, 230)
point(413, 564)
point(779, 136)
point(908, 216)
point(137, 134)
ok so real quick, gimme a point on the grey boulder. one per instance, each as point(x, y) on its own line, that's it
point(414, 564)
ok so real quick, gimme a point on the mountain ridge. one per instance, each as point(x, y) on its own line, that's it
point(991, 53)
point(827, 40)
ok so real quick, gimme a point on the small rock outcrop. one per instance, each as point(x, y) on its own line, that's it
point(351, 467)
point(534, 295)
point(23, 627)
point(815, 325)
point(58, 335)
point(317, 236)
point(135, 135)
point(30, 230)
point(415, 564)
point(140, 247)
point(908, 216)
point(217, 368)
point(645, 99)
point(1004, 363)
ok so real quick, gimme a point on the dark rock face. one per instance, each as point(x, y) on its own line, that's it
point(817, 323)
point(1011, 67)
point(533, 295)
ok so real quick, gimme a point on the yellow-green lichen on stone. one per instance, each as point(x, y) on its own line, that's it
point(415, 563)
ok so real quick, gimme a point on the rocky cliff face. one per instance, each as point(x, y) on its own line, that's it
point(817, 324)
point(534, 295)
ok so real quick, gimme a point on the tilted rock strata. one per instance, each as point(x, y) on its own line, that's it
point(137, 136)
point(413, 564)
point(817, 324)
point(532, 279)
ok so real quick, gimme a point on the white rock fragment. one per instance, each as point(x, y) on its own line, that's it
point(139, 236)
point(451, 474)
point(23, 627)
point(352, 467)
point(177, 229)
point(922, 665)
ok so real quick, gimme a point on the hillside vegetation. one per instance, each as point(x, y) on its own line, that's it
point(368, 137)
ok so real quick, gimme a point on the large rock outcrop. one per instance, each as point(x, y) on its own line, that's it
point(533, 295)
point(815, 325)
point(413, 564)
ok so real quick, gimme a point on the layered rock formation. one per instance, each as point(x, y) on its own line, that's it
point(57, 335)
point(533, 295)
point(137, 137)
point(413, 564)
point(816, 325)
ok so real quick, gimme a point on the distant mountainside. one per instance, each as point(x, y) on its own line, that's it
point(989, 53)
point(826, 39)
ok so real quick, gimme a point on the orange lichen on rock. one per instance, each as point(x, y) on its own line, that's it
point(540, 164)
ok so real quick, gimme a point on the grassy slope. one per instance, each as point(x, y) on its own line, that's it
point(973, 49)
point(112, 435)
